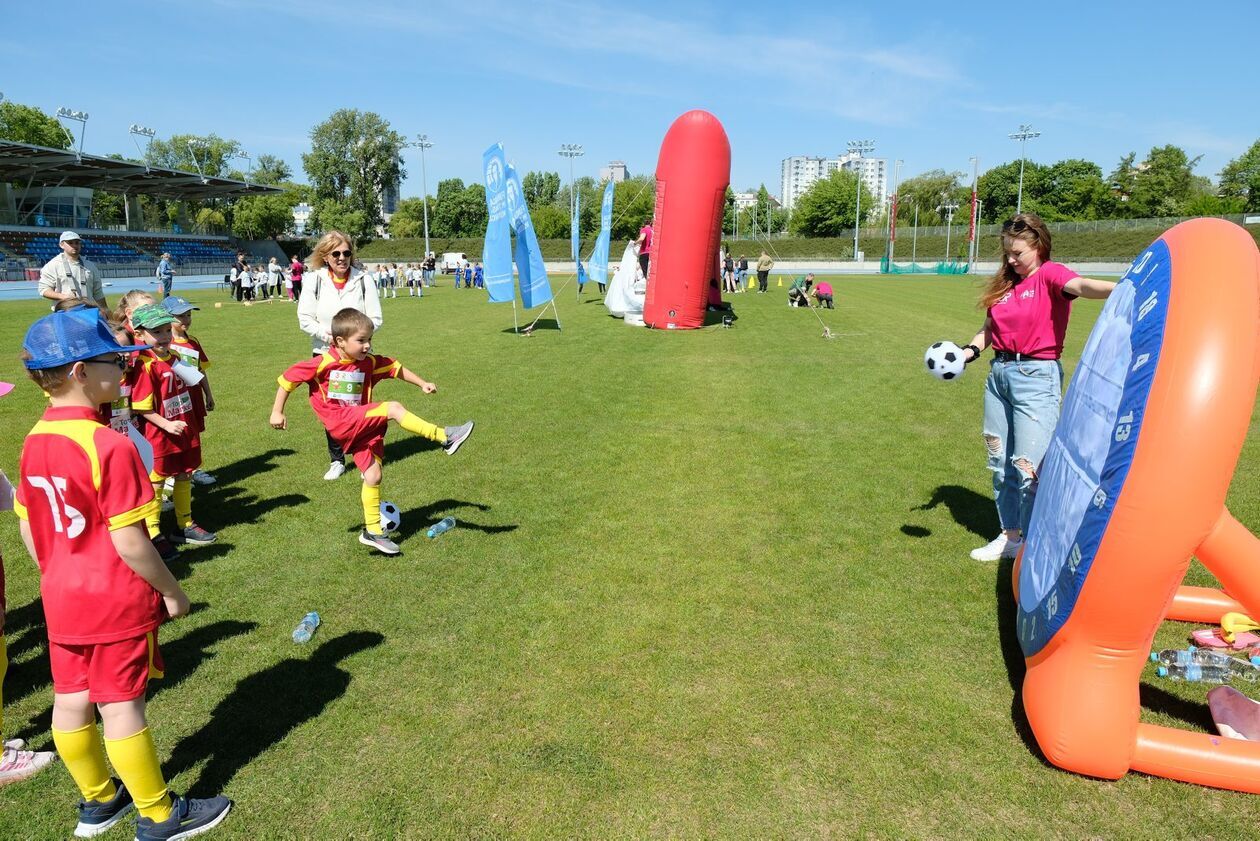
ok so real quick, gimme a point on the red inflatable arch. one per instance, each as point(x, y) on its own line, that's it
point(692, 175)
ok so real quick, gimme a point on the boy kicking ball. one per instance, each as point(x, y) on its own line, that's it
point(82, 500)
point(340, 383)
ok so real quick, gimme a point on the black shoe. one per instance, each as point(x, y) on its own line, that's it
point(96, 816)
point(189, 817)
point(165, 548)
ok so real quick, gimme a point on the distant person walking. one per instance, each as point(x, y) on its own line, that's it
point(333, 284)
point(295, 275)
point(764, 265)
point(645, 246)
point(69, 275)
point(166, 274)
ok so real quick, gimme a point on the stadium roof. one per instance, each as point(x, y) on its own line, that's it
point(25, 165)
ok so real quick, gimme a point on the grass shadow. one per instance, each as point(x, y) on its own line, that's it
point(249, 466)
point(403, 448)
point(225, 507)
point(184, 655)
point(542, 324)
point(915, 531)
point(263, 709)
point(1194, 713)
point(181, 567)
point(427, 515)
point(972, 511)
point(1013, 656)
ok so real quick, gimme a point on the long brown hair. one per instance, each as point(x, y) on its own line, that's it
point(1029, 228)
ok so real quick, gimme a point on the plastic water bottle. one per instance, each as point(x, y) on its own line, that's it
point(306, 628)
point(1194, 673)
point(1186, 656)
point(443, 525)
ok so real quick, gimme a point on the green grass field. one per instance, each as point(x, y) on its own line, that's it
point(705, 584)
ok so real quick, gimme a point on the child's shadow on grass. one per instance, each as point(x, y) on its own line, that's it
point(250, 466)
point(27, 640)
point(1013, 656)
point(263, 709)
point(181, 658)
point(403, 448)
point(427, 515)
point(972, 511)
point(182, 566)
point(224, 507)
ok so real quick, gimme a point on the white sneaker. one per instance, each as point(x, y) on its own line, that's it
point(19, 764)
point(335, 470)
point(201, 477)
point(1000, 548)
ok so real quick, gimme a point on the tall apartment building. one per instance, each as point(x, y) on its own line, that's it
point(799, 172)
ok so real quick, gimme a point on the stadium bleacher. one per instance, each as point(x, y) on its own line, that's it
point(199, 251)
point(106, 249)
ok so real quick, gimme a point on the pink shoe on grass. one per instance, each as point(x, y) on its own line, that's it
point(17, 764)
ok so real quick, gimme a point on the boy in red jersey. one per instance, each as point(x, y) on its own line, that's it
point(193, 354)
point(161, 398)
point(16, 763)
point(82, 500)
point(340, 383)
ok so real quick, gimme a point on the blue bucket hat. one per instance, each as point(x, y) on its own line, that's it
point(71, 336)
point(176, 305)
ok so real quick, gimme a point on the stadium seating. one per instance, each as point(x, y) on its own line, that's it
point(198, 251)
point(112, 248)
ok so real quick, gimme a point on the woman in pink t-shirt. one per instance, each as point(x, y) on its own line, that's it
point(1027, 304)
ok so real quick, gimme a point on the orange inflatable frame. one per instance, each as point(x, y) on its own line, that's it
point(1081, 687)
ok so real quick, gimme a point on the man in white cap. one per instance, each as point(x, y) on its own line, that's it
point(68, 275)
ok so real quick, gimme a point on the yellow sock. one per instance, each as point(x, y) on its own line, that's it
point(183, 502)
point(84, 758)
point(136, 760)
point(371, 495)
point(154, 520)
point(421, 427)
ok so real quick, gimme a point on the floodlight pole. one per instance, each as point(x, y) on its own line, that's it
point(192, 150)
point(143, 132)
point(892, 210)
point(914, 240)
point(80, 117)
point(571, 151)
point(857, 147)
point(972, 233)
point(948, 206)
point(1024, 134)
point(249, 163)
point(422, 143)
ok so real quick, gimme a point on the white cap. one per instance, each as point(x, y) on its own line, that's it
point(66, 236)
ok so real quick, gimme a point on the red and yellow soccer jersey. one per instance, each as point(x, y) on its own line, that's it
point(117, 415)
point(159, 391)
point(341, 393)
point(80, 481)
point(192, 353)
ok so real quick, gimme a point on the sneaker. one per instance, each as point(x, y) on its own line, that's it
point(18, 764)
point(97, 816)
point(335, 470)
point(1000, 548)
point(189, 817)
point(165, 548)
point(201, 477)
point(167, 505)
point(15, 744)
point(197, 536)
point(456, 436)
point(379, 542)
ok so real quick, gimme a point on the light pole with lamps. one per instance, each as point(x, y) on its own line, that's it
point(571, 151)
point(1024, 134)
point(80, 117)
point(136, 129)
point(947, 206)
point(422, 143)
point(249, 163)
point(858, 147)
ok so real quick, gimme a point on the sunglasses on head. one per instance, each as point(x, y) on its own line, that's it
point(1014, 226)
point(338, 254)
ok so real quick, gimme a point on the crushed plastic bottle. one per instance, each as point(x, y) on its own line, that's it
point(306, 628)
point(443, 525)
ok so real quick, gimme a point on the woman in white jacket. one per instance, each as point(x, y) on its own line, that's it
point(333, 284)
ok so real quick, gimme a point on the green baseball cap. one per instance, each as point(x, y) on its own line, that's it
point(151, 315)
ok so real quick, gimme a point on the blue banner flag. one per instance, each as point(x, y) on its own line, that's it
point(599, 257)
point(496, 254)
point(535, 288)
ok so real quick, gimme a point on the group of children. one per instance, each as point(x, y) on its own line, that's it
point(473, 276)
point(88, 500)
point(259, 282)
point(387, 277)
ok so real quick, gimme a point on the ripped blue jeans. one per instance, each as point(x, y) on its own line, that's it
point(1021, 409)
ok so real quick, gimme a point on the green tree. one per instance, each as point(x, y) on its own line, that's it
point(1163, 183)
point(550, 221)
point(262, 217)
point(1076, 190)
point(634, 201)
point(1240, 179)
point(458, 211)
point(728, 212)
point(540, 188)
point(213, 153)
point(28, 124)
point(330, 214)
point(827, 208)
point(210, 218)
point(268, 169)
point(998, 190)
point(354, 157)
point(408, 219)
point(1122, 181)
point(926, 190)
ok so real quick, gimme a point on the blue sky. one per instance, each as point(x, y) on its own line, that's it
point(932, 84)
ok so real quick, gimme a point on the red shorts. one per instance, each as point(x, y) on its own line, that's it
point(360, 432)
point(109, 671)
point(177, 463)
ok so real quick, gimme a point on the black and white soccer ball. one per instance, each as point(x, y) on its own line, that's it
point(391, 517)
point(944, 360)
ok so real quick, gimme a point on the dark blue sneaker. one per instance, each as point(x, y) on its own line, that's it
point(189, 817)
point(97, 816)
